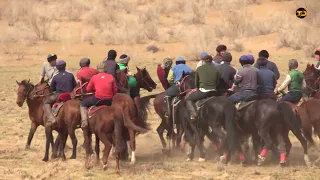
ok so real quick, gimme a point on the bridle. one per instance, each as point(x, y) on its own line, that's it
point(43, 89)
point(144, 81)
point(183, 84)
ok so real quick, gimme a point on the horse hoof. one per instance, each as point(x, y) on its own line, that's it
point(223, 160)
point(45, 159)
point(189, 159)
point(261, 160)
point(105, 167)
point(73, 157)
point(201, 159)
point(27, 147)
point(283, 164)
point(133, 162)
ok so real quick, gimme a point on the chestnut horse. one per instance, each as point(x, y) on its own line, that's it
point(30, 93)
point(105, 123)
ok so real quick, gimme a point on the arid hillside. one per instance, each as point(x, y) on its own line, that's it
point(148, 31)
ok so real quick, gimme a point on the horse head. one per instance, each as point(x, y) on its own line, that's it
point(24, 89)
point(144, 80)
point(311, 75)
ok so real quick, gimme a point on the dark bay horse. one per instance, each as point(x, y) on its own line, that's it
point(214, 114)
point(262, 117)
point(31, 94)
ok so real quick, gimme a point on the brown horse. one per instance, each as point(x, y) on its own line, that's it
point(107, 125)
point(30, 93)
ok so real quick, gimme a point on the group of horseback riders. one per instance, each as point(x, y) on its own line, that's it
point(215, 76)
point(103, 81)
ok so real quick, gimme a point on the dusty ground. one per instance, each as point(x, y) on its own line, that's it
point(18, 163)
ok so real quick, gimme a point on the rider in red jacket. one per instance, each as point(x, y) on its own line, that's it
point(104, 86)
point(85, 73)
point(163, 71)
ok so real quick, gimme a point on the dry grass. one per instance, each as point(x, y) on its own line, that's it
point(199, 40)
point(239, 23)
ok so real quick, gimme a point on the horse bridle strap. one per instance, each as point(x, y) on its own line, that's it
point(144, 81)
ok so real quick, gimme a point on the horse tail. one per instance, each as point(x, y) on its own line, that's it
point(290, 117)
point(128, 117)
point(118, 127)
point(230, 113)
point(144, 103)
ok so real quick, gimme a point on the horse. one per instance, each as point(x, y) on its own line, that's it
point(260, 118)
point(107, 125)
point(30, 93)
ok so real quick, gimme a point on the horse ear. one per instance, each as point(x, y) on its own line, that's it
point(28, 81)
point(19, 83)
point(308, 65)
point(137, 68)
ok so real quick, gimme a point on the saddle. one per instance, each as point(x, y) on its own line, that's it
point(61, 99)
point(201, 102)
point(99, 105)
point(251, 99)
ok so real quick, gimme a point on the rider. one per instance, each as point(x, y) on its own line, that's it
point(317, 56)
point(201, 62)
point(248, 77)
point(270, 65)
point(163, 71)
point(110, 61)
point(267, 80)
point(207, 79)
point(49, 68)
point(105, 88)
point(61, 83)
point(132, 82)
point(85, 73)
point(221, 49)
point(174, 77)
point(227, 73)
point(294, 81)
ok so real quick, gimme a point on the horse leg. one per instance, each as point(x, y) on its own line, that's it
point(307, 132)
point(160, 131)
point(282, 146)
point(55, 148)
point(180, 141)
point(48, 132)
point(264, 133)
point(132, 138)
point(74, 140)
point(31, 133)
point(256, 143)
point(317, 130)
point(198, 141)
point(97, 150)
point(191, 141)
point(64, 142)
point(287, 142)
point(87, 134)
point(304, 144)
point(107, 149)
